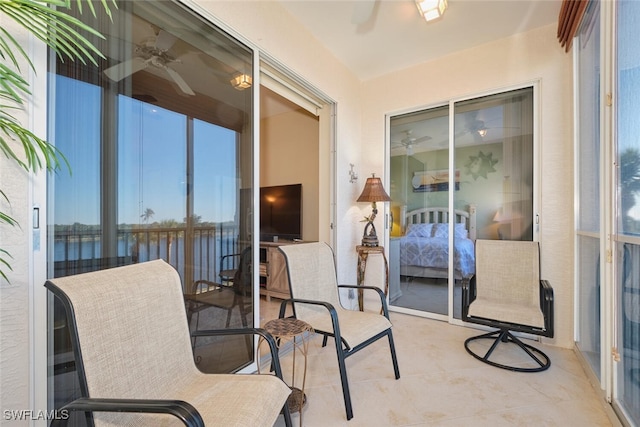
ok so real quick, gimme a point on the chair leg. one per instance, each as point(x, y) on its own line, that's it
point(394, 358)
point(343, 378)
point(287, 414)
point(505, 336)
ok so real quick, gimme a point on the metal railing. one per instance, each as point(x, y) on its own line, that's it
point(195, 253)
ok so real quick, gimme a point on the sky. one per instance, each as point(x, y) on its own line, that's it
point(151, 161)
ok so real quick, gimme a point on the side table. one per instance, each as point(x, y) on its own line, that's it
point(363, 254)
point(292, 329)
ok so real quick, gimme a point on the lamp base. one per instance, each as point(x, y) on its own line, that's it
point(370, 240)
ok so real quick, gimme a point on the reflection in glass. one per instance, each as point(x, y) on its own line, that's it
point(160, 145)
point(492, 183)
point(628, 211)
point(420, 180)
point(589, 194)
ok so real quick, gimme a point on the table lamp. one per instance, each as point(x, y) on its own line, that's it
point(373, 192)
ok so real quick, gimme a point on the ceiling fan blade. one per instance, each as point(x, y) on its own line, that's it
point(125, 68)
point(362, 11)
point(179, 81)
point(165, 40)
point(421, 139)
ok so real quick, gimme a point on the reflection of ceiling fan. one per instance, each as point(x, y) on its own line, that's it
point(363, 11)
point(409, 141)
point(477, 128)
point(153, 51)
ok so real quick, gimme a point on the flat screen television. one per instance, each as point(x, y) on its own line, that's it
point(281, 212)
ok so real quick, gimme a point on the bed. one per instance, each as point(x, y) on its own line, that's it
point(424, 248)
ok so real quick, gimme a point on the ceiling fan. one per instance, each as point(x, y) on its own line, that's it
point(409, 141)
point(362, 11)
point(154, 52)
point(477, 128)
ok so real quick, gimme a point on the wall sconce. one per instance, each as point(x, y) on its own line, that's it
point(431, 9)
point(353, 176)
point(373, 192)
point(241, 81)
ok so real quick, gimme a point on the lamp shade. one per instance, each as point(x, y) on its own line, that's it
point(373, 191)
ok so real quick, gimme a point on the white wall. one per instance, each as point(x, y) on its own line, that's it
point(520, 59)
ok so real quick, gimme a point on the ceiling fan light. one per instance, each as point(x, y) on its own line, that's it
point(482, 132)
point(431, 9)
point(241, 81)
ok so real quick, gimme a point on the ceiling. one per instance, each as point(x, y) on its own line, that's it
point(397, 37)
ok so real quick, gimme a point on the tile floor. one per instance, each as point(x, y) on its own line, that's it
point(440, 384)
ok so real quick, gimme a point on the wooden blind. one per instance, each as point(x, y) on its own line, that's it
point(571, 14)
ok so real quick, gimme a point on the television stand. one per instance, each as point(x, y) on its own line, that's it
point(274, 280)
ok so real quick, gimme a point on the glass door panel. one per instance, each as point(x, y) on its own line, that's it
point(419, 192)
point(627, 315)
point(159, 140)
point(589, 192)
point(494, 166)
point(492, 182)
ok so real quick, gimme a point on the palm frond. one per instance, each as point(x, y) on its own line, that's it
point(4, 263)
point(5, 217)
point(34, 147)
point(11, 83)
point(59, 30)
point(7, 44)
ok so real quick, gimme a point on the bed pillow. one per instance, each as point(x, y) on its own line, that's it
point(419, 230)
point(461, 231)
point(441, 230)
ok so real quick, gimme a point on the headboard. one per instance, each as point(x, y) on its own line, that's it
point(441, 215)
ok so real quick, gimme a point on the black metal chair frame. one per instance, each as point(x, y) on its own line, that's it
point(182, 410)
point(344, 350)
point(504, 335)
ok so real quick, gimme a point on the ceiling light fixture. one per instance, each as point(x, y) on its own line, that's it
point(431, 9)
point(241, 81)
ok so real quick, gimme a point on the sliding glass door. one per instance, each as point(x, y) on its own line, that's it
point(590, 196)
point(627, 221)
point(159, 141)
point(451, 185)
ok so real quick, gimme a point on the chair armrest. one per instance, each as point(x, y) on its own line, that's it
point(273, 348)
point(546, 305)
point(383, 298)
point(332, 312)
point(283, 305)
point(178, 408)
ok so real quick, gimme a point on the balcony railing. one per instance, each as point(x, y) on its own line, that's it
point(195, 254)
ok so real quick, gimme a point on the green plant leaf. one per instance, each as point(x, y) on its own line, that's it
point(4, 263)
point(5, 217)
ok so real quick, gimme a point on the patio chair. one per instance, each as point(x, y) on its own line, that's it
point(315, 300)
point(506, 293)
point(134, 360)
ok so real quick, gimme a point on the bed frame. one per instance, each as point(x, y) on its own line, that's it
point(438, 215)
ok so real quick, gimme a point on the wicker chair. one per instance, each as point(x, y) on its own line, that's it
point(133, 356)
point(315, 299)
point(507, 293)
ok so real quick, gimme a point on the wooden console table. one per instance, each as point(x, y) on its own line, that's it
point(363, 254)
